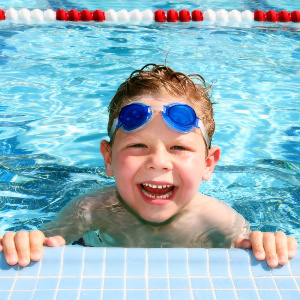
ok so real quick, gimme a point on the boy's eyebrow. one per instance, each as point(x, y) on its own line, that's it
point(178, 138)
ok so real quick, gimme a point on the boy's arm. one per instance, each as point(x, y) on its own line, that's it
point(23, 246)
point(276, 248)
point(71, 223)
point(81, 215)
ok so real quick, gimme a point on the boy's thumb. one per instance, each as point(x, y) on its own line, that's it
point(243, 243)
point(55, 241)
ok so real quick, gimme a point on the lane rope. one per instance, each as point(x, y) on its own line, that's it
point(149, 16)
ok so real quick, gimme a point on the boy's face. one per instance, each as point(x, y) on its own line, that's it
point(157, 170)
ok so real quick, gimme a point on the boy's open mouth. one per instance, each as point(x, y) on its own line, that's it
point(153, 191)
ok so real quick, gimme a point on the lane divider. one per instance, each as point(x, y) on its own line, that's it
point(149, 16)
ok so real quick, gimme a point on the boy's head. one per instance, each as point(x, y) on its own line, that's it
point(158, 163)
point(159, 79)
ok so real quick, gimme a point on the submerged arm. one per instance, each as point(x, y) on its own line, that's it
point(77, 217)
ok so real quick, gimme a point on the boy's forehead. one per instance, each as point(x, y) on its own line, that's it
point(158, 98)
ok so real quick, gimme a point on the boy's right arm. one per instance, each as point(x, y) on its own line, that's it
point(75, 219)
point(23, 246)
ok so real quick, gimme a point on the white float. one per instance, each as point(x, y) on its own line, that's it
point(222, 15)
point(11, 14)
point(147, 15)
point(135, 15)
point(235, 16)
point(209, 15)
point(123, 15)
point(50, 15)
point(248, 16)
point(37, 15)
point(111, 15)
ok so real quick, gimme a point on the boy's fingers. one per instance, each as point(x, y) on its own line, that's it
point(292, 246)
point(10, 252)
point(36, 240)
point(270, 249)
point(55, 241)
point(23, 247)
point(281, 247)
point(256, 239)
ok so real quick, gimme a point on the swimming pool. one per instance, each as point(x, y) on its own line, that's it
point(57, 79)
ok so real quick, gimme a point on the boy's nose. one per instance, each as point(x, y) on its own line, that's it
point(159, 160)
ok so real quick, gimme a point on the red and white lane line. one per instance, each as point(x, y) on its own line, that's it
point(149, 16)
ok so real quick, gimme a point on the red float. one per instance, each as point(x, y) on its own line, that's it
point(62, 15)
point(74, 15)
point(172, 15)
point(160, 16)
point(2, 15)
point(284, 16)
point(272, 16)
point(295, 16)
point(197, 15)
point(184, 16)
point(259, 16)
point(86, 15)
point(99, 15)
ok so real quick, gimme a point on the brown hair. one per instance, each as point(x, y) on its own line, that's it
point(162, 79)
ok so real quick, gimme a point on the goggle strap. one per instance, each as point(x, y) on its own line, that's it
point(204, 132)
point(113, 127)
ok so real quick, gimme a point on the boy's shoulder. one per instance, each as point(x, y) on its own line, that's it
point(99, 198)
point(213, 212)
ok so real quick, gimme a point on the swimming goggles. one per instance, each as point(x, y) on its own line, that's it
point(178, 116)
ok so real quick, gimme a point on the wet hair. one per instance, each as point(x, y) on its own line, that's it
point(160, 79)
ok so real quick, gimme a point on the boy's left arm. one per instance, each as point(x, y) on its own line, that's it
point(276, 248)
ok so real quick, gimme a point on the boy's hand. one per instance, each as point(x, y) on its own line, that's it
point(276, 248)
point(23, 246)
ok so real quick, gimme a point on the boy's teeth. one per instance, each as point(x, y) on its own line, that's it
point(154, 186)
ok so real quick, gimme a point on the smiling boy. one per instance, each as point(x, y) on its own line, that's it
point(161, 125)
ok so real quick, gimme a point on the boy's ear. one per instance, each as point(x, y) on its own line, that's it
point(211, 161)
point(105, 149)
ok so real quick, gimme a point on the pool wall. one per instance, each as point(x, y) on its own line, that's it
point(74, 272)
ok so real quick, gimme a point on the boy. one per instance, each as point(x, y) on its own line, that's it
point(160, 127)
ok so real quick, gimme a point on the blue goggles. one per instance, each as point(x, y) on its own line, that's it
point(178, 116)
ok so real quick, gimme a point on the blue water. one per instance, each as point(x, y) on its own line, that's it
point(57, 79)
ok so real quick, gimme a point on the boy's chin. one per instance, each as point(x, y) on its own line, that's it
point(156, 220)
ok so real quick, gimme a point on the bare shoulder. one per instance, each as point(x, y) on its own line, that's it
point(98, 198)
point(84, 213)
point(214, 211)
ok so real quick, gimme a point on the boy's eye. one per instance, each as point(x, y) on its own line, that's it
point(179, 148)
point(138, 146)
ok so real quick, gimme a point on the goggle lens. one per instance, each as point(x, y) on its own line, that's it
point(182, 114)
point(133, 116)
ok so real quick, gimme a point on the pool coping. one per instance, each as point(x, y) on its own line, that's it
point(74, 272)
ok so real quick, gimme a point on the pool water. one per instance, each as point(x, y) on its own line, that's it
point(58, 78)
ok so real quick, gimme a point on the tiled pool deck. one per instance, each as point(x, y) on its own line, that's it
point(73, 272)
